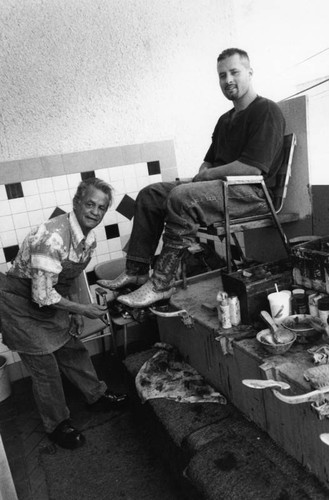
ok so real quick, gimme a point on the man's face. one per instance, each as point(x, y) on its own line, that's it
point(91, 209)
point(234, 77)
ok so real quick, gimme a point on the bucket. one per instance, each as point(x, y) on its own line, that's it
point(5, 387)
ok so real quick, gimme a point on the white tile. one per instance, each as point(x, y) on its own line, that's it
point(3, 268)
point(115, 173)
point(119, 187)
point(3, 348)
point(21, 234)
point(36, 217)
point(143, 182)
point(134, 195)
point(73, 180)
point(2, 257)
point(110, 218)
point(67, 208)
point(121, 218)
point(30, 188)
point(48, 200)
point(5, 207)
point(131, 185)
point(124, 239)
point(33, 202)
point(63, 197)
point(45, 185)
point(21, 220)
point(60, 182)
point(103, 258)
point(103, 173)
point(10, 358)
point(100, 232)
point(117, 255)
point(3, 193)
point(102, 248)
point(72, 192)
point(47, 212)
point(17, 205)
point(91, 264)
point(8, 238)
point(155, 178)
point(114, 244)
point(7, 223)
point(116, 200)
point(125, 228)
point(141, 170)
point(129, 171)
point(16, 357)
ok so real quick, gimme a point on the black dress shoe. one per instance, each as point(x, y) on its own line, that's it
point(67, 436)
point(109, 401)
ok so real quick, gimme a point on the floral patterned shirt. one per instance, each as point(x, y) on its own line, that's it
point(43, 251)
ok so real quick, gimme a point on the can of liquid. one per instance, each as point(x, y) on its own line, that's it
point(235, 314)
point(224, 308)
point(323, 307)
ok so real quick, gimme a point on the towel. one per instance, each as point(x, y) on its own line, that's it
point(167, 375)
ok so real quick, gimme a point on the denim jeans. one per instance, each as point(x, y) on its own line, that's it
point(180, 209)
point(72, 360)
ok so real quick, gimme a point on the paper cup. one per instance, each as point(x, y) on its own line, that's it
point(279, 305)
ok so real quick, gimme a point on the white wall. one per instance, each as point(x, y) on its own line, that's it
point(86, 74)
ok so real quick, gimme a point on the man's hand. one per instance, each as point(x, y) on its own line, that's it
point(203, 171)
point(76, 325)
point(94, 311)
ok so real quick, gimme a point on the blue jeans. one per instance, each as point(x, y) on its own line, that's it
point(180, 209)
point(74, 361)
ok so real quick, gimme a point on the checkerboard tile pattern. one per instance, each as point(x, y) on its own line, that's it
point(34, 189)
point(24, 205)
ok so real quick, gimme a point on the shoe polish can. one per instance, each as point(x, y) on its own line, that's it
point(235, 314)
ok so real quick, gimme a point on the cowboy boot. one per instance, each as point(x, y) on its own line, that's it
point(136, 274)
point(160, 285)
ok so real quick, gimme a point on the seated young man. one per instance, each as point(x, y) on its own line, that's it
point(247, 140)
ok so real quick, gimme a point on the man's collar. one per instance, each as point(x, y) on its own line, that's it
point(77, 233)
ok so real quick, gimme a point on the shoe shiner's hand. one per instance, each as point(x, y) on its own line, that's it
point(76, 325)
point(94, 311)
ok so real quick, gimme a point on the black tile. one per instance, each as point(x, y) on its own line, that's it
point(112, 231)
point(58, 211)
point(10, 252)
point(87, 175)
point(14, 190)
point(91, 277)
point(153, 167)
point(126, 207)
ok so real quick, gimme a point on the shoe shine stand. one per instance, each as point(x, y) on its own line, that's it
point(288, 410)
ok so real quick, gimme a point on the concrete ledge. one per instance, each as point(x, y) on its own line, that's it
point(216, 453)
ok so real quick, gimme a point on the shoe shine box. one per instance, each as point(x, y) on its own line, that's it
point(254, 284)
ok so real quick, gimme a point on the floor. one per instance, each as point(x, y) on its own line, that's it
point(24, 438)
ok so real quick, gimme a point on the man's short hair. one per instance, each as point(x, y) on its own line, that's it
point(232, 52)
point(96, 183)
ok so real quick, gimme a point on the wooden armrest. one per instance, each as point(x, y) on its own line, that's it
point(244, 179)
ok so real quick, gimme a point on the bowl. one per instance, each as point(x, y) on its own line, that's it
point(301, 324)
point(273, 348)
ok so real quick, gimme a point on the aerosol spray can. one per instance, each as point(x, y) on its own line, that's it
point(235, 314)
point(224, 310)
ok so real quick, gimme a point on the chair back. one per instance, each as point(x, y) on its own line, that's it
point(284, 172)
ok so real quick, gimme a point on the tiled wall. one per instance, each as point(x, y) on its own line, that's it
point(33, 190)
